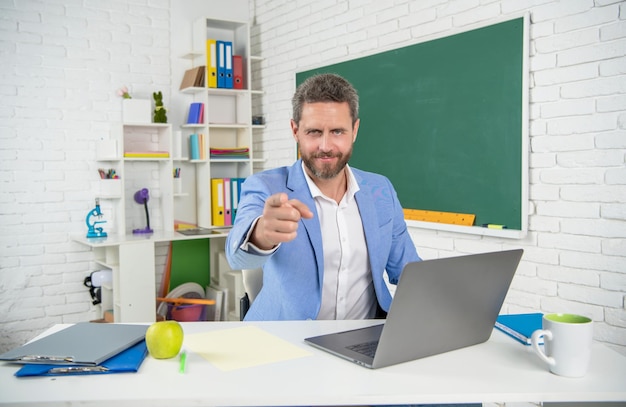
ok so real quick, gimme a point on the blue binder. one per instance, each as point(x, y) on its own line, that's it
point(221, 64)
point(127, 361)
point(228, 64)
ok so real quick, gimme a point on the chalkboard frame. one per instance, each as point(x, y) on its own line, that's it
point(520, 132)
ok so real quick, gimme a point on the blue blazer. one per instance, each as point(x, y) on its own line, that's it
point(293, 275)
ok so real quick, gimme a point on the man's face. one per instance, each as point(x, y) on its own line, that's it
point(325, 136)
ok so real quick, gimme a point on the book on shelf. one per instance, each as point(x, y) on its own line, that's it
point(520, 326)
point(196, 113)
point(197, 146)
point(193, 78)
point(146, 154)
point(242, 152)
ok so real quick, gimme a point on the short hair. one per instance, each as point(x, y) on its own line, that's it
point(326, 87)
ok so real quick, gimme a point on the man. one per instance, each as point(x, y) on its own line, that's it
point(323, 232)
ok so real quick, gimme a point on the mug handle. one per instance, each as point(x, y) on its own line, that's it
point(547, 336)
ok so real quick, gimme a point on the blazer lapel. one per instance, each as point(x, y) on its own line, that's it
point(369, 217)
point(296, 183)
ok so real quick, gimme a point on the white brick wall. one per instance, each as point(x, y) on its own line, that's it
point(61, 66)
point(575, 251)
point(62, 63)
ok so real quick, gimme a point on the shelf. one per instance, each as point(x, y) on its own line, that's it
point(227, 91)
point(147, 125)
point(146, 159)
point(193, 55)
point(228, 125)
point(230, 160)
point(218, 91)
point(193, 90)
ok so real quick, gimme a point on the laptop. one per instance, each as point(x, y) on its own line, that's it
point(439, 305)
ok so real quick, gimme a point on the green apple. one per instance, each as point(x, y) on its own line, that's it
point(164, 339)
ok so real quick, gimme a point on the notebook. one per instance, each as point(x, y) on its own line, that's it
point(520, 326)
point(439, 305)
point(84, 343)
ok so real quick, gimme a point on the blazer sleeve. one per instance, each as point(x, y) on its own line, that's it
point(254, 192)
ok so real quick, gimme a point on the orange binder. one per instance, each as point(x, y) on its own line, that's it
point(217, 201)
point(211, 63)
point(237, 72)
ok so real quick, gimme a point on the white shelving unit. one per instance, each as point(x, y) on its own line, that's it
point(227, 124)
point(227, 121)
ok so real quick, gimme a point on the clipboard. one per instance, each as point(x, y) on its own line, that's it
point(127, 361)
point(84, 343)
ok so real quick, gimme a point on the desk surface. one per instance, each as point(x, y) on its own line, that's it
point(156, 237)
point(499, 370)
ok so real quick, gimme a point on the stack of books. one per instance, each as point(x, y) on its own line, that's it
point(243, 152)
point(196, 147)
point(146, 154)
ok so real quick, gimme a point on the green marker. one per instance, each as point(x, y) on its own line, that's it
point(183, 361)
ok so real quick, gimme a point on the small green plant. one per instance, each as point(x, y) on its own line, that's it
point(160, 115)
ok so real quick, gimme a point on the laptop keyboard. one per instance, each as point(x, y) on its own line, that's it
point(365, 348)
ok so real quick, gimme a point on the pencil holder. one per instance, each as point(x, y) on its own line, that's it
point(178, 185)
point(110, 188)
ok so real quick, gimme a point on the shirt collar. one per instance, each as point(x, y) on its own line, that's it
point(353, 186)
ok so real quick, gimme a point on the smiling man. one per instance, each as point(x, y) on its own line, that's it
point(323, 232)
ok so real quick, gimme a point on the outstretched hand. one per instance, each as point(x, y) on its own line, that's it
point(279, 222)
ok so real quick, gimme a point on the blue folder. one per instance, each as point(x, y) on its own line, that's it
point(520, 326)
point(127, 361)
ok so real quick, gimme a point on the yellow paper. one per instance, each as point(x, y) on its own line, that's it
point(238, 348)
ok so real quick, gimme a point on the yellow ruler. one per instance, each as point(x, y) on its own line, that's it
point(452, 218)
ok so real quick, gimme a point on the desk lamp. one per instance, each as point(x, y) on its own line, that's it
point(141, 197)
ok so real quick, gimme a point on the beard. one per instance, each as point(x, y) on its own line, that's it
point(326, 171)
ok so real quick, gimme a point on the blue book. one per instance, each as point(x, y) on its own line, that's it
point(127, 361)
point(195, 111)
point(194, 147)
point(520, 326)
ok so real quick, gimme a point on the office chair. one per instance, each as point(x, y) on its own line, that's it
point(252, 283)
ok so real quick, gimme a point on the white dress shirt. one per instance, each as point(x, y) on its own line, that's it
point(348, 291)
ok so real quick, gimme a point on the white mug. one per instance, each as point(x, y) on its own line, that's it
point(567, 339)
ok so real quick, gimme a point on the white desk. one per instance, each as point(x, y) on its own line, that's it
point(500, 370)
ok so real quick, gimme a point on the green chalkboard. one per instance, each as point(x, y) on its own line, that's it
point(443, 120)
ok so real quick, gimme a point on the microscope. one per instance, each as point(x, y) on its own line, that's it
point(94, 231)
